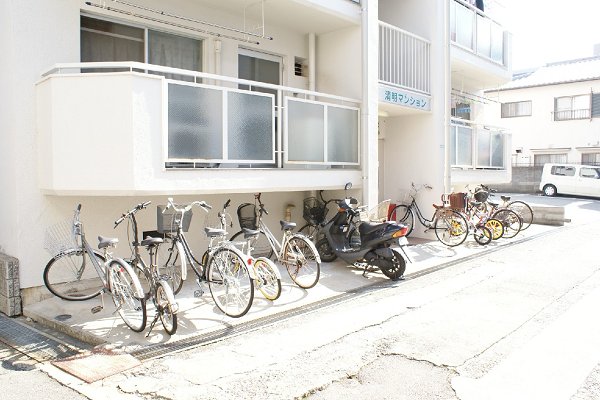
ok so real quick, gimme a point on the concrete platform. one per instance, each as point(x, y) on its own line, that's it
point(199, 317)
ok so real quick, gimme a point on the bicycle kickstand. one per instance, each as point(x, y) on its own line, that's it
point(153, 323)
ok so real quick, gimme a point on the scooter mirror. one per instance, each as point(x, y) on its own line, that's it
point(348, 186)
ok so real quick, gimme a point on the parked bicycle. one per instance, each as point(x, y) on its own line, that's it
point(511, 221)
point(225, 271)
point(295, 251)
point(450, 227)
point(524, 210)
point(81, 273)
point(156, 286)
point(315, 214)
point(267, 276)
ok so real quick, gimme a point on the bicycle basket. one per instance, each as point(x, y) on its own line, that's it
point(314, 210)
point(457, 201)
point(167, 222)
point(60, 237)
point(247, 216)
point(481, 195)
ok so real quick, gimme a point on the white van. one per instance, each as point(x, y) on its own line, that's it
point(582, 180)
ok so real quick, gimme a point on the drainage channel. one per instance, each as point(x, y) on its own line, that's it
point(161, 349)
point(35, 343)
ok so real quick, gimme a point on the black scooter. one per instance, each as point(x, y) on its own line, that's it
point(365, 244)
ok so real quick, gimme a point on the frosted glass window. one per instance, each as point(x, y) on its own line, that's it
point(483, 36)
point(464, 25)
point(306, 131)
point(483, 149)
point(497, 43)
point(497, 149)
point(195, 122)
point(174, 51)
point(250, 127)
point(464, 146)
point(342, 135)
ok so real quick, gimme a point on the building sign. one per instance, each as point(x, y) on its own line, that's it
point(404, 98)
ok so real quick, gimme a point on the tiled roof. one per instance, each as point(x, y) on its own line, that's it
point(584, 69)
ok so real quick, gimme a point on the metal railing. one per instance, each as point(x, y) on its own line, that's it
point(404, 59)
point(215, 121)
point(566, 115)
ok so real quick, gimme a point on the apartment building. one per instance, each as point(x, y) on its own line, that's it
point(111, 103)
point(553, 113)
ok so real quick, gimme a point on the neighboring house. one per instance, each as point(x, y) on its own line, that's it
point(552, 112)
point(114, 103)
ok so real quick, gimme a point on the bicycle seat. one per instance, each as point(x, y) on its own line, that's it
point(214, 232)
point(248, 233)
point(438, 207)
point(505, 198)
point(285, 225)
point(493, 204)
point(151, 241)
point(107, 242)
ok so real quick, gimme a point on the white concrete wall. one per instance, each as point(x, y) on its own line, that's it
point(540, 131)
point(33, 37)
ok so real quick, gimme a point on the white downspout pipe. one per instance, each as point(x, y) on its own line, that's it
point(312, 51)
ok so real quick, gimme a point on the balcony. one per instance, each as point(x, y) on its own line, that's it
point(478, 152)
point(404, 71)
point(133, 131)
point(480, 47)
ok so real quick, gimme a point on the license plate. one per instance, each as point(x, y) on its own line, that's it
point(402, 241)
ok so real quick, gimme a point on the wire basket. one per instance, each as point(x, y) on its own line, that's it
point(405, 198)
point(314, 210)
point(60, 237)
point(247, 216)
point(168, 221)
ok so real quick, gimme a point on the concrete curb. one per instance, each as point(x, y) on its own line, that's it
point(549, 215)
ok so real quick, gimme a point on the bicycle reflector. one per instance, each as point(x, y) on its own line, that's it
point(400, 232)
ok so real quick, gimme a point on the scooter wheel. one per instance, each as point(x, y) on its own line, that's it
point(325, 251)
point(394, 268)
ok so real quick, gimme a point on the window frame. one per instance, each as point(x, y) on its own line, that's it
point(512, 109)
point(569, 114)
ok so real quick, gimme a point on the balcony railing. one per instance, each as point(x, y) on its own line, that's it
point(472, 29)
point(476, 147)
point(404, 59)
point(216, 121)
point(566, 115)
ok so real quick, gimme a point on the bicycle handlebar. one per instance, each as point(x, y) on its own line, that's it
point(135, 209)
point(202, 204)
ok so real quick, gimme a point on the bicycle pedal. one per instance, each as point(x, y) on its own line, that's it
point(198, 293)
point(97, 309)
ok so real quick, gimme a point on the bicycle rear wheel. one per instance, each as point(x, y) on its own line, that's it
point(300, 259)
point(124, 287)
point(482, 235)
point(230, 284)
point(524, 211)
point(496, 227)
point(268, 281)
point(261, 246)
point(312, 232)
point(71, 276)
point(451, 228)
point(403, 214)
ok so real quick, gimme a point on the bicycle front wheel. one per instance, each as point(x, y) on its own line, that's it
point(496, 227)
point(167, 307)
point(451, 228)
point(261, 246)
point(230, 284)
point(312, 232)
point(171, 262)
point(301, 262)
point(71, 276)
point(524, 211)
point(403, 215)
point(510, 220)
point(268, 281)
point(124, 286)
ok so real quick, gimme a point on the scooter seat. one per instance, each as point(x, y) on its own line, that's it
point(367, 227)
